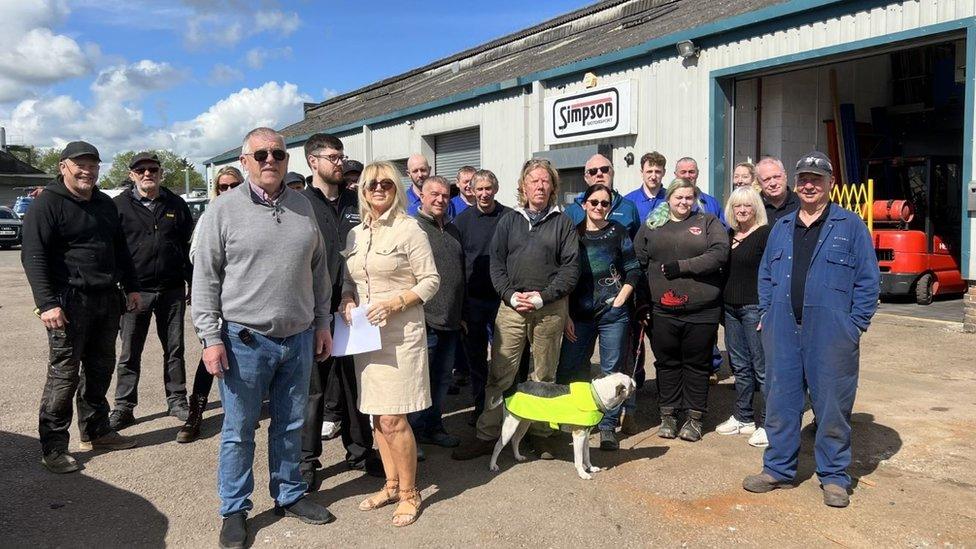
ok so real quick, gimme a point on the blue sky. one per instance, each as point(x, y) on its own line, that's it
point(192, 75)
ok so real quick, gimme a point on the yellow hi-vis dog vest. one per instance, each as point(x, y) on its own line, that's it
point(576, 408)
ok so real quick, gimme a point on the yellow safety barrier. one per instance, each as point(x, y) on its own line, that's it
point(858, 198)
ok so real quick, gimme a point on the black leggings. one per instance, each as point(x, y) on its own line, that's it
point(202, 381)
point(683, 360)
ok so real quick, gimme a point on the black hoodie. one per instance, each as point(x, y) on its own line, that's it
point(73, 243)
point(158, 239)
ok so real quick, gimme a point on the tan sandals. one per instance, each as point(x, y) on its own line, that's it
point(409, 508)
point(389, 494)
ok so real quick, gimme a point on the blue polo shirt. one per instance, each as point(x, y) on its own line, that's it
point(459, 204)
point(645, 204)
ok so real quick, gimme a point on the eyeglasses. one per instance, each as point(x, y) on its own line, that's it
point(151, 169)
point(227, 186)
point(386, 185)
point(262, 155)
point(594, 203)
point(334, 158)
point(601, 169)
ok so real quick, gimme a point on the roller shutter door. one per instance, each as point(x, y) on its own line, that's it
point(455, 150)
point(404, 177)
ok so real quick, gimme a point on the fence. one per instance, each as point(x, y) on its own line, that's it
point(858, 198)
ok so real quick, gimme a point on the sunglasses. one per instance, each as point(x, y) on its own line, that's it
point(594, 203)
point(601, 169)
point(151, 169)
point(227, 186)
point(262, 155)
point(386, 185)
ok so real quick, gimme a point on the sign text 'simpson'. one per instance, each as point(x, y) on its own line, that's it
point(586, 111)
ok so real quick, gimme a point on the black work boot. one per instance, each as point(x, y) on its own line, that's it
point(306, 511)
point(233, 532)
point(669, 424)
point(692, 429)
point(191, 429)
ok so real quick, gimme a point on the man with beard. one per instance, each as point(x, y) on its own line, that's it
point(332, 394)
point(74, 256)
point(157, 225)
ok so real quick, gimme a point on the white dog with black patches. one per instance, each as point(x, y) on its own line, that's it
point(575, 408)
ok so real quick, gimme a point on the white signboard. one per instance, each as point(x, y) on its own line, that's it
point(592, 114)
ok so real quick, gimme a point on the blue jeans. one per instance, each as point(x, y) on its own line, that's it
point(279, 367)
point(746, 355)
point(480, 316)
point(442, 345)
point(613, 329)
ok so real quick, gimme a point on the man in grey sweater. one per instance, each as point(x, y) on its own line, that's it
point(261, 295)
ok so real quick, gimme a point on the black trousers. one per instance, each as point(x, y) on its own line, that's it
point(683, 360)
point(337, 377)
point(202, 381)
point(82, 357)
point(169, 308)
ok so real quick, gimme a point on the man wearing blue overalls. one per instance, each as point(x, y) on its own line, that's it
point(818, 289)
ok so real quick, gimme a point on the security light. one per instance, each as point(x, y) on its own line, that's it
point(687, 49)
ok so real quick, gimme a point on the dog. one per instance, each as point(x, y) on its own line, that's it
point(575, 408)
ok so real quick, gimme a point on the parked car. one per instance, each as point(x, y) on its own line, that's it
point(197, 201)
point(10, 228)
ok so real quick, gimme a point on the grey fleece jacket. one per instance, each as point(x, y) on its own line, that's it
point(261, 266)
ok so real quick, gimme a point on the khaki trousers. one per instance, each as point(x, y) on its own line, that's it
point(544, 330)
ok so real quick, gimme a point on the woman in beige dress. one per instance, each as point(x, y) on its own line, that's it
point(391, 269)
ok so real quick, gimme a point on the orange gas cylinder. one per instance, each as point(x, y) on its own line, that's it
point(899, 211)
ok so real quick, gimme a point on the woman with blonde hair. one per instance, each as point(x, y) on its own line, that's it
point(747, 216)
point(390, 270)
point(744, 174)
point(226, 179)
point(534, 267)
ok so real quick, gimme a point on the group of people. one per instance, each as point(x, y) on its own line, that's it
point(456, 284)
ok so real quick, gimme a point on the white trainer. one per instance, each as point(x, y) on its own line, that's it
point(733, 426)
point(758, 439)
point(330, 429)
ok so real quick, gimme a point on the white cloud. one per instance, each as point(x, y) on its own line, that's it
point(129, 82)
point(257, 57)
point(224, 74)
point(34, 55)
point(224, 24)
point(329, 93)
point(114, 127)
point(224, 124)
point(278, 22)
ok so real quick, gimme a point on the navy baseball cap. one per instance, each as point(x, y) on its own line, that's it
point(815, 162)
point(292, 178)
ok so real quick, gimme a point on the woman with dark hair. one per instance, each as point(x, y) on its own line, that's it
point(226, 179)
point(683, 252)
point(600, 303)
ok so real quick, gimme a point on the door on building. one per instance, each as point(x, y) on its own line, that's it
point(454, 150)
point(894, 116)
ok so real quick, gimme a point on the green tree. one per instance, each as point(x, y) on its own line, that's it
point(45, 160)
point(174, 170)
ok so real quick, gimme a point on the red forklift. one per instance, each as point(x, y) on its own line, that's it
point(918, 225)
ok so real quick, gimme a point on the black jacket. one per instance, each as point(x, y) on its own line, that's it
point(73, 243)
point(542, 258)
point(158, 240)
point(328, 221)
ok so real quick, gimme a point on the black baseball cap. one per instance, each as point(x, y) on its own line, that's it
point(76, 149)
point(815, 162)
point(352, 166)
point(293, 177)
point(147, 156)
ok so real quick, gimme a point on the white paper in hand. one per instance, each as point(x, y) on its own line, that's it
point(360, 337)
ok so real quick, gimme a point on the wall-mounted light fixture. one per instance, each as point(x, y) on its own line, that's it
point(687, 49)
point(629, 159)
point(410, 124)
point(589, 80)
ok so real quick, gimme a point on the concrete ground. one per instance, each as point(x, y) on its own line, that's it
point(913, 451)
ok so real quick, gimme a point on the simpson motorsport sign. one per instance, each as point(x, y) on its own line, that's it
point(594, 113)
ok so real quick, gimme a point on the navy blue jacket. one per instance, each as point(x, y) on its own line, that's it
point(843, 280)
